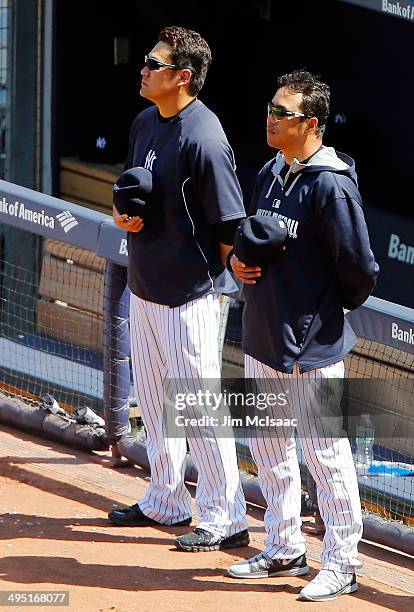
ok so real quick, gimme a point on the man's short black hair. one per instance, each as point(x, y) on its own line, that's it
point(189, 50)
point(315, 95)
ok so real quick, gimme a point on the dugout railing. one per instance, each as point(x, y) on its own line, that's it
point(64, 330)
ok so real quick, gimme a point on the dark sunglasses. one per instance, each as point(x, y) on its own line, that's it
point(155, 64)
point(278, 112)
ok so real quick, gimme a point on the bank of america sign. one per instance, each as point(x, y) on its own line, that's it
point(402, 9)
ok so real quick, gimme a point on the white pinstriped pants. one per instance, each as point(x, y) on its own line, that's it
point(182, 343)
point(329, 461)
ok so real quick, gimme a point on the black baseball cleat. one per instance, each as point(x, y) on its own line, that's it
point(134, 517)
point(200, 540)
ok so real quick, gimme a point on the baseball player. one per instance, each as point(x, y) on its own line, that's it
point(176, 269)
point(295, 331)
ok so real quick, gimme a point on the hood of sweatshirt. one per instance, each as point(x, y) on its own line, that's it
point(324, 159)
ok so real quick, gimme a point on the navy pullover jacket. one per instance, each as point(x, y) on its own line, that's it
point(176, 257)
point(295, 312)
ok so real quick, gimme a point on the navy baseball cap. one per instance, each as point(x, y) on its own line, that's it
point(132, 192)
point(258, 239)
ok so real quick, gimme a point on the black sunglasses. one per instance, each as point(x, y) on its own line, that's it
point(277, 111)
point(155, 64)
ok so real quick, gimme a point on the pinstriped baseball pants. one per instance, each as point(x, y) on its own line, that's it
point(330, 462)
point(182, 343)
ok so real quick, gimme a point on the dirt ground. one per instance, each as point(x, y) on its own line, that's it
point(54, 536)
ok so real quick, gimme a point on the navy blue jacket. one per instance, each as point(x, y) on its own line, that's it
point(294, 314)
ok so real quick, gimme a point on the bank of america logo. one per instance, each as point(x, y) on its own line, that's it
point(67, 221)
